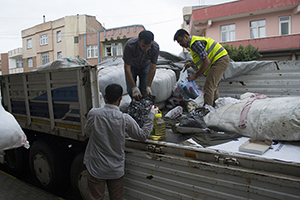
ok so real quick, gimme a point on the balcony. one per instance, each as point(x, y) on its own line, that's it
point(15, 53)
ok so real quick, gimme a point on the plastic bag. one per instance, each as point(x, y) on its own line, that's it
point(139, 109)
point(194, 119)
point(187, 89)
point(174, 113)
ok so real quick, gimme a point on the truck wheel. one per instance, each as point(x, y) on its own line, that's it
point(78, 175)
point(44, 165)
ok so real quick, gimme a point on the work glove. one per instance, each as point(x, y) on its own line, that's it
point(136, 93)
point(148, 90)
point(154, 109)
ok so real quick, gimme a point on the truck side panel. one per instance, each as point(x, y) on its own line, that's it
point(170, 172)
point(278, 78)
point(53, 102)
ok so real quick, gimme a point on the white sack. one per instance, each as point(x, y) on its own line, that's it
point(270, 118)
point(163, 84)
point(111, 74)
point(11, 134)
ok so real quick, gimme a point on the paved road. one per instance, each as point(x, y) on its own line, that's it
point(12, 188)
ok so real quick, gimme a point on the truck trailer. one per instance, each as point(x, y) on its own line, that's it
point(51, 107)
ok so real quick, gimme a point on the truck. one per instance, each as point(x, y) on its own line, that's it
point(51, 106)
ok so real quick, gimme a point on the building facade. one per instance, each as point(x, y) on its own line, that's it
point(97, 47)
point(52, 40)
point(272, 26)
point(15, 61)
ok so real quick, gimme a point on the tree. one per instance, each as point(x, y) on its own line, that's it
point(242, 54)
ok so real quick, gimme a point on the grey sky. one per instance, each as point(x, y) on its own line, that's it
point(162, 17)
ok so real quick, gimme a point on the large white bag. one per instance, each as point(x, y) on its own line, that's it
point(111, 74)
point(11, 134)
point(163, 83)
point(270, 118)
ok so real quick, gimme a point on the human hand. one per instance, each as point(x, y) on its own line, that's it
point(136, 93)
point(154, 109)
point(148, 90)
point(187, 65)
point(191, 78)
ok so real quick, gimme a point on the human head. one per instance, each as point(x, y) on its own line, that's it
point(182, 37)
point(113, 92)
point(145, 40)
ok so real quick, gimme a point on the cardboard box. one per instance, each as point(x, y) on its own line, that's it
point(256, 146)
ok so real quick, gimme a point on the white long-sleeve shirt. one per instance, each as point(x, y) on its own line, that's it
point(104, 156)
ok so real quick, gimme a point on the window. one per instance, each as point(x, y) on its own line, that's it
point(59, 55)
point(29, 62)
point(19, 63)
point(114, 49)
point(29, 43)
point(104, 33)
point(258, 29)
point(112, 31)
point(92, 51)
point(76, 39)
point(107, 50)
point(228, 33)
point(43, 39)
point(127, 29)
point(58, 33)
point(284, 25)
point(45, 58)
point(120, 31)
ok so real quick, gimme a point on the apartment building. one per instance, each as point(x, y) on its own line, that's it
point(271, 25)
point(52, 40)
point(96, 47)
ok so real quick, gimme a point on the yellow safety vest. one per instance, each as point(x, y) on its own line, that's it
point(212, 48)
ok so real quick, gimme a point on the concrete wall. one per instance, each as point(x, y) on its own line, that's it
point(4, 63)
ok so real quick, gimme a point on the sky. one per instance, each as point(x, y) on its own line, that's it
point(162, 17)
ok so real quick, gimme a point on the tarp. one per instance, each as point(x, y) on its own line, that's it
point(63, 63)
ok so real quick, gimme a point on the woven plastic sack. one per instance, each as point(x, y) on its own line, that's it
point(270, 118)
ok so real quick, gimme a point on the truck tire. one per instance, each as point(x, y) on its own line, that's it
point(45, 165)
point(78, 176)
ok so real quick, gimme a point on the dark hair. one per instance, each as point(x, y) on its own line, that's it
point(113, 92)
point(147, 36)
point(180, 33)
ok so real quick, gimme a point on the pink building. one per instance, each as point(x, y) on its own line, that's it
point(96, 47)
point(271, 25)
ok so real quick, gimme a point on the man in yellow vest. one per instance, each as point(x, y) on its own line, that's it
point(211, 59)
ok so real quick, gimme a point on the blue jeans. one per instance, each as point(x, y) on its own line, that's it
point(143, 76)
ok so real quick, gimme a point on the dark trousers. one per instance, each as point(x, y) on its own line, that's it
point(97, 188)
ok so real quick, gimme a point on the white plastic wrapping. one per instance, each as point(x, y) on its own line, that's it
point(163, 84)
point(11, 134)
point(63, 63)
point(111, 74)
point(270, 118)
